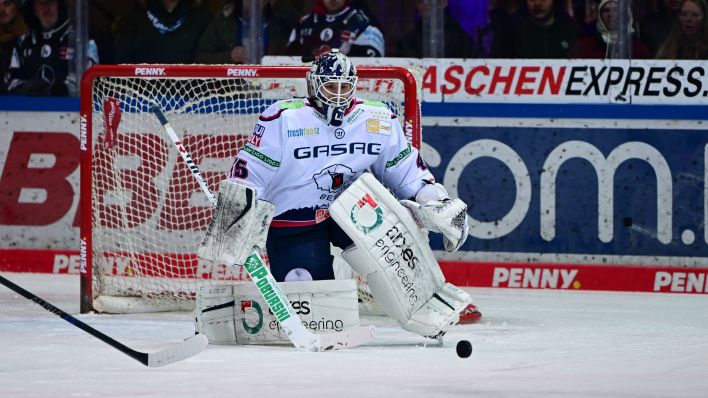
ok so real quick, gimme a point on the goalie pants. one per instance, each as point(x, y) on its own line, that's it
point(305, 247)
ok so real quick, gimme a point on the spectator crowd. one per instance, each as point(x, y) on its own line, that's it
point(36, 36)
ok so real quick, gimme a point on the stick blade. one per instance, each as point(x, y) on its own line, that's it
point(189, 347)
point(349, 338)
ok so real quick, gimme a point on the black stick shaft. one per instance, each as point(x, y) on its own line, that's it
point(139, 356)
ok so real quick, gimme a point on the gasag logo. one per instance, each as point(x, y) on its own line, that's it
point(353, 148)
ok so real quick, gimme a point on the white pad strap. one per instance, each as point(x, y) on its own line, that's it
point(394, 257)
point(214, 314)
point(238, 314)
point(440, 312)
point(239, 223)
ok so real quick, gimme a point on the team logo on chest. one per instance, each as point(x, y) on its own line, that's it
point(339, 133)
point(326, 34)
point(332, 178)
point(46, 51)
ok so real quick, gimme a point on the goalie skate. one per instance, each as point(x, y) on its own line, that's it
point(469, 315)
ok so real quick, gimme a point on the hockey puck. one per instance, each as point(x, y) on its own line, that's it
point(464, 349)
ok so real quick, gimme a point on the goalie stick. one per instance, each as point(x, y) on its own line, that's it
point(183, 152)
point(270, 290)
point(178, 352)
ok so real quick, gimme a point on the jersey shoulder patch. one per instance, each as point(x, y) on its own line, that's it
point(291, 104)
point(280, 107)
point(378, 104)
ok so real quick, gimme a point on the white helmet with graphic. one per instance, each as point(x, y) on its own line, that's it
point(331, 83)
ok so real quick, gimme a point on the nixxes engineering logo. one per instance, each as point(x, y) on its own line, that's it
point(300, 307)
point(304, 307)
point(402, 260)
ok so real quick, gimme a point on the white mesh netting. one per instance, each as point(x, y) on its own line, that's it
point(148, 213)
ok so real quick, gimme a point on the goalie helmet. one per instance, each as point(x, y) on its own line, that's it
point(331, 83)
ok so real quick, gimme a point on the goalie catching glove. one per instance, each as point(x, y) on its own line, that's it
point(434, 209)
point(240, 222)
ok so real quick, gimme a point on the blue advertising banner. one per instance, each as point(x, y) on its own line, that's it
point(578, 190)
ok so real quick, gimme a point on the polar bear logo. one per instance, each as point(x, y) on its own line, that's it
point(333, 178)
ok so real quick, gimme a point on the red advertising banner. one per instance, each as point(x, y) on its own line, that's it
point(577, 277)
point(469, 274)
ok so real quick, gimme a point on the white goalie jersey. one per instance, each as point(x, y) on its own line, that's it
point(300, 164)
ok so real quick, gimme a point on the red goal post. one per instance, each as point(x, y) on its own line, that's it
point(141, 215)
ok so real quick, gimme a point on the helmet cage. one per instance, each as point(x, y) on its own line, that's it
point(336, 91)
point(331, 83)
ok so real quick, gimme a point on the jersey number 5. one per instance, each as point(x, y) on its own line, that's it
point(239, 170)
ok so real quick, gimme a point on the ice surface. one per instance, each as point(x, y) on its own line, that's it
point(531, 343)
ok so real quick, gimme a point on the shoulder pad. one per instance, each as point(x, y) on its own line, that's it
point(291, 104)
point(282, 107)
point(375, 103)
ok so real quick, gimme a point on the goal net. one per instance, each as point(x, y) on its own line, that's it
point(143, 214)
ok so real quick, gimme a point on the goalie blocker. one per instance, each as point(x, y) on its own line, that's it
point(393, 255)
point(239, 223)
